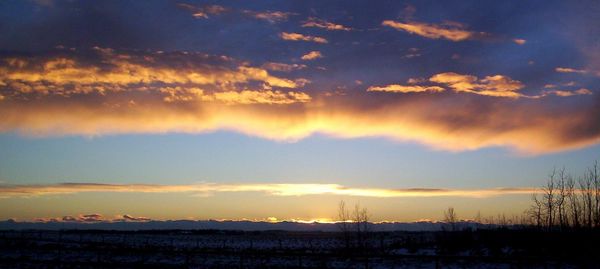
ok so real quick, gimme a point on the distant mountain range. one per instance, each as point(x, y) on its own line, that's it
point(226, 225)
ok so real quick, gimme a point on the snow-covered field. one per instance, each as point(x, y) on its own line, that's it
point(229, 249)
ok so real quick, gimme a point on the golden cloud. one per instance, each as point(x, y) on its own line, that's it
point(19, 191)
point(319, 23)
point(312, 55)
point(497, 85)
point(451, 30)
point(405, 89)
point(301, 37)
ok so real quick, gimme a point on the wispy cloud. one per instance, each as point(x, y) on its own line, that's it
point(568, 93)
point(301, 37)
point(203, 12)
point(450, 30)
point(319, 23)
point(270, 189)
point(570, 70)
point(270, 16)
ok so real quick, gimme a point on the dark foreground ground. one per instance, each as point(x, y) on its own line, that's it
point(279, 249)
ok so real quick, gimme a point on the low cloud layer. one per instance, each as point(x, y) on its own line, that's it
point(16, 191)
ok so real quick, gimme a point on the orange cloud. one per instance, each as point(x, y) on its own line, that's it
point(301, 37)
point(15, 191)
point(405, 89)
point(312, 55)
point(451, 30)
point(319, 23)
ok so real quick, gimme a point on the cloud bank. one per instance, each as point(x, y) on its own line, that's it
point(103, 91)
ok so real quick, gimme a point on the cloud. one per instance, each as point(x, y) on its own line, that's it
point(270, 16)
point(100, 92)
point(565, 93)
point(64, 75)
point(89, 218)
point(128, 217)
point(181, 94)
point(312, 55)
point(301, 37)
point(497, 85)
point(405, 89)
point(319, 23)
point(269, 189)
point(570, 70)
point(450, 30)
point(283, 67)
point(203, 12)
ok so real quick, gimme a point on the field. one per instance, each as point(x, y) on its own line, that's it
point(284, 249)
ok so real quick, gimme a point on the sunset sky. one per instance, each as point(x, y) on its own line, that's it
point(280, 109)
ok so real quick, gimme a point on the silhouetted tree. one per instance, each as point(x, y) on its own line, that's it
point(360, 217)
point(574, 203)
point(343, 224)
point(549, 200)
point(450, 218)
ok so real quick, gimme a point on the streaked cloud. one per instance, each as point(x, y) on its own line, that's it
point(570, 70)
point(405, 89)
point(301, 37)
point(312, 55)
point(269, 189)
point(319, 23)
point(450, 30)
point(270, 16)
point(203, 12)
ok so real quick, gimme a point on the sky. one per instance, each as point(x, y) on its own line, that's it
point(267, 110)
